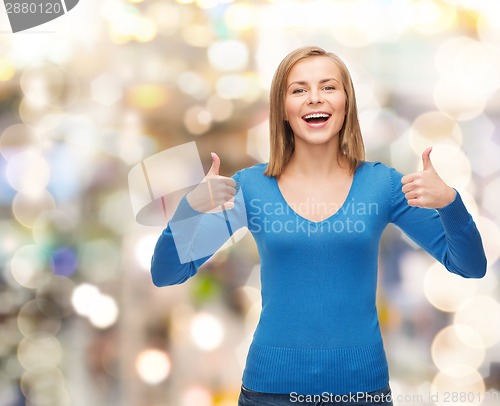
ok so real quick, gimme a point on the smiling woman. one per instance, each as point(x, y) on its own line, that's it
point(318, 331)
point(333, 79)
point(315, 101)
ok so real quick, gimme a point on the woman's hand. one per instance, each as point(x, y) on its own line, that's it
point(215, 193)
point(426, 188)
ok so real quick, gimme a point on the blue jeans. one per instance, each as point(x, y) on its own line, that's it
point(382, 397)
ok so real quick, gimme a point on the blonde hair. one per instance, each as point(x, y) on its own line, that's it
point(281, 134)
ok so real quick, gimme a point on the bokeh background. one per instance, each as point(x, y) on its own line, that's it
point(86, 97)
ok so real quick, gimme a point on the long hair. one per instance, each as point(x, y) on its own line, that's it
point(281, 134)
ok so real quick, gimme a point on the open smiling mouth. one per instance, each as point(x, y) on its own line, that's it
point(316, 118)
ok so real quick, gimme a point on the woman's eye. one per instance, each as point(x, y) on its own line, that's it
point(329, 87)
point(296, 91)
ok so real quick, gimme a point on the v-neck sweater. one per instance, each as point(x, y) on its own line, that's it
point(318, 330)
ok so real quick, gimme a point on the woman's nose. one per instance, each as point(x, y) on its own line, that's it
point(315, 97)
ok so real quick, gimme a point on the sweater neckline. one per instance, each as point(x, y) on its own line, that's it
point(331, 216)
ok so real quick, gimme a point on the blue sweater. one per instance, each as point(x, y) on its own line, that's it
point(318, 329)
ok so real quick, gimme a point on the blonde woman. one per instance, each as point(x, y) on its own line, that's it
point(317, 211)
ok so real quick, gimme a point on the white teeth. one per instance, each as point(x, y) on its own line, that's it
point(316, 115)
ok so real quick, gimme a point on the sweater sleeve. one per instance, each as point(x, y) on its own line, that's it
point(449, 234)
point(192, 237)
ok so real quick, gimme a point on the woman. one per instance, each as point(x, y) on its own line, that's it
point(317, 211)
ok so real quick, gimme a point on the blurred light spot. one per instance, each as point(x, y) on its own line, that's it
point(194, 85)
point(220, 109)
point(430, 17)
point(39, 352)
point(166, 16)
point(382, 128)
point(58, 290)
point(28, 172)
point(143, 251)
point(434, 128)
point(480, 145)
point(486, 325)
point(99, 259)
point(147, 96)
point(11, 239)
point(132, 144)
point(54, 228)
point(445, 290)
point(8, 304)
point(258, 142)
point(15, 139)
point(479, 67)
point(228, 55)
point(468, 336)
point(490, 234)
point(115, 212)
point(197, 120)
point(491, 198)
point(26, 208)
point(45, 389)
point(105, 313)
point(488, 24)
point(44, 129)
point(197, 395)
point(153, 366)
point(357, 23)
point(146, 30)
point(64, 261)
point(10, 336)
point(106, 89)
point(127, 23)
point(458, 380)
point(206, 4)
point(469, 73)
point(232, 86)
point(241, 16)
point(79, 131)
point(28, 266)
point(207, 332)
point(69, 168)
point(197, 35)
point(84, 298)
point(448, 350)
point(402, 155)
point(132, 149)
point(7, 69)
point(458, 102)
point(100, 309)
point(42, 84)
point(31, 319)
point(365, 96)
point(33, 116)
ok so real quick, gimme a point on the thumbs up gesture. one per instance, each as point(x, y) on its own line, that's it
point(215, 193)
point(426, 189)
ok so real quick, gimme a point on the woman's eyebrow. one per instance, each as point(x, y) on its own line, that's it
point(302, 83)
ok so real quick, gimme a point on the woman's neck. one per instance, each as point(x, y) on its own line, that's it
point(316, 161)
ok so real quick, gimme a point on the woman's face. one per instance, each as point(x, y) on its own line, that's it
point(315, 101)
